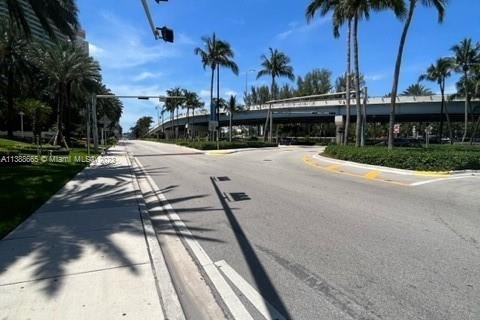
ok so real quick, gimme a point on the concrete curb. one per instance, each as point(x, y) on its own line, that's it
point(166, 290)
point(230, 151)
point(395, 170)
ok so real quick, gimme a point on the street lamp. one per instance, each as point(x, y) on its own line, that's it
point(21, 114)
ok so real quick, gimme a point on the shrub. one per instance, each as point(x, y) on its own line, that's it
point(433, 159)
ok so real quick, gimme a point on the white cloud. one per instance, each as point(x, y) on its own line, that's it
point(146, 75)
point(122, 46)
point(94, 50)
point(204, 93)
point(375, 77)
point(295, 28)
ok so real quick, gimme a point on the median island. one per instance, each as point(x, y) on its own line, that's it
point(433, 158)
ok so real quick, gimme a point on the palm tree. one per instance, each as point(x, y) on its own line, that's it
point(232, 107)
point(68, 68)
point(466, 57)
point(192, 101)
point(39, 113)
point(440, 7)
point(326, 6)
point(439, 72)
point(174, 104)
point(60, 14)
point(14, 66)
point(417, 90)
point(216, 54)
point(356, 10)
point(276, 65)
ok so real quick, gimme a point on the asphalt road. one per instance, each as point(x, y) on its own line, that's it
point(322, 245)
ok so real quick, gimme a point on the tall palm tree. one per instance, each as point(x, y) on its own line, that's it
point(357, 10)
point(59, 14)
point(216, 54)
point(68, 68)
point(440, 6)
point(276, 65)
point(14, 66)
point(174, 104)
point(438, 73)
point(466, 57)
point(192, 102)
point(333, 6)
point(232, 107)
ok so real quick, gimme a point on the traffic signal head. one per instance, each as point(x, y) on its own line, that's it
point(165, 33)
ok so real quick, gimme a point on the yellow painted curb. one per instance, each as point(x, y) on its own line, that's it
point(432, 173)
point(371, 175)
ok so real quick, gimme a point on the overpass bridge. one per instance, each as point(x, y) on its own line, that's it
point(314, 109)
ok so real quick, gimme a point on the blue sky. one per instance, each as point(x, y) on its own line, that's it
point(134, 63)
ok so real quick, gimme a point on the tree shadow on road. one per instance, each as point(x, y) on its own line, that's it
point(264, 284)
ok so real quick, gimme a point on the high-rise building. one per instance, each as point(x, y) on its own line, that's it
point(38, 33)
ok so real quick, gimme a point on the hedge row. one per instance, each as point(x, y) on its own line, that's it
point(434, 159)
point(209, 145)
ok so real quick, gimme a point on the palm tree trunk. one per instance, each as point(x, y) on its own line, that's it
point(188, 123)
point(176, 123)
point(465, 88)
point(230, 125)
point(442, 114)
point(212, 112)
point(269, 114)
point(444, 107)
point(10, 103)
point(396, 75)
point(347, 79)
point(357, 81)
point(217, 111)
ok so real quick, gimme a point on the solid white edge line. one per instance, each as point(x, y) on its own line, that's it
point(420, 183)
point(171, 305)
point(233, 303)
point(255, 298)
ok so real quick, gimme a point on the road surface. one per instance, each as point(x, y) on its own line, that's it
point(319, 243)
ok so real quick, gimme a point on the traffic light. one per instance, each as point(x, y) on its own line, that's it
point(165, 33)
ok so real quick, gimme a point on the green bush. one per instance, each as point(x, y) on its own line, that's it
point(211, 145)
point(440, 158)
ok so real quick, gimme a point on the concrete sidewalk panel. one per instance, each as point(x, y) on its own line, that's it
point(54, 222)
point(107, 294)
point(62, 253)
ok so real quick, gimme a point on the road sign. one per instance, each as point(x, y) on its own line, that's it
point(212, 125)
point(396, 128)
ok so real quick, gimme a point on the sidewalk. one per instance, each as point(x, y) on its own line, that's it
point(83, 254)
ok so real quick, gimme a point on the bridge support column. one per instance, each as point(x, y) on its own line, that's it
point(339, 129)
